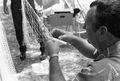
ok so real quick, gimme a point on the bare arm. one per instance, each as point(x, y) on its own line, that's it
point(80, 44)
point(55, 70)
point(52, 48)
point(55, 73)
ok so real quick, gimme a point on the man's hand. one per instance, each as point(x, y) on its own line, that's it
point(58, 32)
point(63, 35)
point(6, 10)
point(52, 47)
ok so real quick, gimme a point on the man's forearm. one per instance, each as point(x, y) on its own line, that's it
point(83, 46)
point(55, 71)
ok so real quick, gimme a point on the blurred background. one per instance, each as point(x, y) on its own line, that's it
point(84, 3)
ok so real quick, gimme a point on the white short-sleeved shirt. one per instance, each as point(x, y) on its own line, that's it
point(102, 69)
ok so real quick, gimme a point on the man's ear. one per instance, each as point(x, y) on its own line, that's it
point(101, 33)
point(102, 30)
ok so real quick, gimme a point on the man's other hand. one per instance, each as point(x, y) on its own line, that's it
point(57, 32)
point(6, 10)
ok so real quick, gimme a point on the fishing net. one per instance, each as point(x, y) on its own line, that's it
point(35, 32)
point(33, 27)
point(7, 68)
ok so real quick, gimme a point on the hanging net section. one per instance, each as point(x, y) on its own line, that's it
point(33, 24)
point(31, 28)
point(7, 68)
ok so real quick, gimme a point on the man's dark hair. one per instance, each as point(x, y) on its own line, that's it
point(107, 14)
point(76, 11)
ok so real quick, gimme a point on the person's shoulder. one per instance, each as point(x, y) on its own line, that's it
point(107, 67)
point(104, 69)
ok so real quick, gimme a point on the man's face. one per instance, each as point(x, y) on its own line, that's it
point(92, 37)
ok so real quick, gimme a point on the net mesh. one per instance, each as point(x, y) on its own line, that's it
point(35, 22)
point(28, 32)
point(7, 68)
point(34, 26)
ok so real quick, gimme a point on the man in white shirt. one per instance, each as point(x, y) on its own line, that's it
point(103, 45)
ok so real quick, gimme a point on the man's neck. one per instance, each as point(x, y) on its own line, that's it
point(108, 48)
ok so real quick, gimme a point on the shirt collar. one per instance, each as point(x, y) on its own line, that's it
point(110, 51)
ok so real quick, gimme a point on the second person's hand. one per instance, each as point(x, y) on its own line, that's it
point(6, 10)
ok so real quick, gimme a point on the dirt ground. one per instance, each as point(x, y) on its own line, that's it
point(32, 69)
